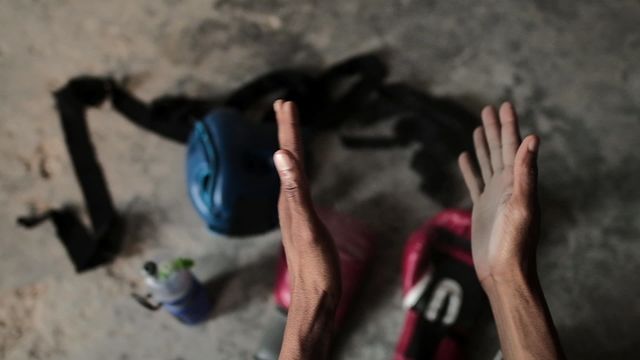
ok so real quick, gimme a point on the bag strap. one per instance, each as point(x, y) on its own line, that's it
point(173, 118)
point(86, 247)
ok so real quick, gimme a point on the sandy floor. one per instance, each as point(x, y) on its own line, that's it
point(572, 70)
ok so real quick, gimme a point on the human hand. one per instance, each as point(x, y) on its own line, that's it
point(311, 255)
point(505, 217)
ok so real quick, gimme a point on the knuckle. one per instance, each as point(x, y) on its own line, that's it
point(290, 188)
point(290, 185)
point(507, 119)
point(290, 181)
point(509, 144)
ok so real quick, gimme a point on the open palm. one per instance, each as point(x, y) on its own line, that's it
point(505, 208)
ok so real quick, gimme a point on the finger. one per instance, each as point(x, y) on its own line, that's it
point(288, 128)
point(293, 185)
point(510, 135)
point(470, 175)
point(525, 169)
point(283, 208)
point(482, 153)
point(492, 133)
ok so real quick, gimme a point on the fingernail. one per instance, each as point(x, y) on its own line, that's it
point(276, 105)
point(282, 161)
point(286, 106)
point(533, 144)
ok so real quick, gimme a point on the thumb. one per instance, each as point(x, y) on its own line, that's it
point(293, 184)
point(525, 171)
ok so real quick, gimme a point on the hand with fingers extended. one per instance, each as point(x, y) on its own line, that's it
point(504, 234)
point(311, 256)
point(505, 205)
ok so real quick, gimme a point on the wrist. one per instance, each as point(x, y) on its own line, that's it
point(509, 277)
point(311, 298)
point(310, 325)
point(311, 287)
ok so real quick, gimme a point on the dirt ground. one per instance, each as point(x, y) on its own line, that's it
point(572, 69)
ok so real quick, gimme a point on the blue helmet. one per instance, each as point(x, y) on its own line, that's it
point(231, 179)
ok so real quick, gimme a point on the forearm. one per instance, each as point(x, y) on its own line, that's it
point(309, 327)
point(523, 320)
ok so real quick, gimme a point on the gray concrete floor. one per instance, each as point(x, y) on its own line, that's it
point(572, 68)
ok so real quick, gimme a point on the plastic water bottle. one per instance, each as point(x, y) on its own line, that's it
point(179, 292)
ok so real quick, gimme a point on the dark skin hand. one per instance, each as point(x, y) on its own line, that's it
point(310, 251)
point(504, 240)
point(504, 236)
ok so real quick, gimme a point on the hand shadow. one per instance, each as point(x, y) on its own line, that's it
point(382, 280)
point(232, 290)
